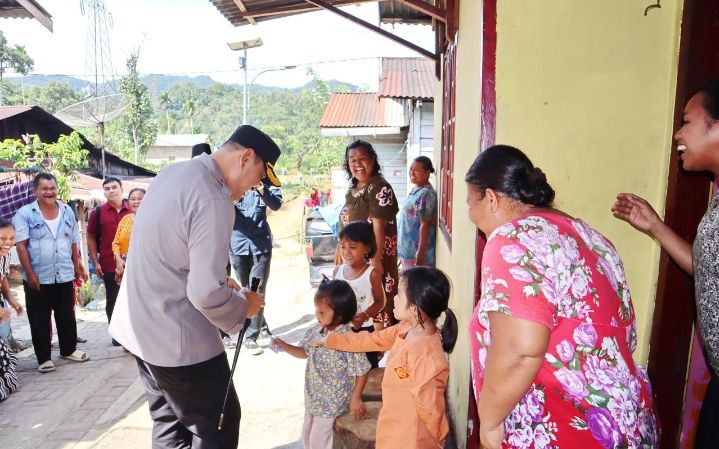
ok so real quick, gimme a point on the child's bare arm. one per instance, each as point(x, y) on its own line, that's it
point(377, 293)
point(378, 303)
point(357, 407)
point(294, 351)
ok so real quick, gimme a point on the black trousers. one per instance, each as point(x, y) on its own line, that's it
point(707, 436)
point(111, 291)
point(56, 298)
point(248, 267)
point(372, 357)
point(185, 404)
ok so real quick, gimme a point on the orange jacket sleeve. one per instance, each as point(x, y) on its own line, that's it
point(429, 382)
point(365, 341)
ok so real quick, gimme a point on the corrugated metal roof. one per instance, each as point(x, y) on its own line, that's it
point(407, 78)
point(9, 111)
point(394, 11)
point(21, 9)
point(363, 110)
point(179, 140)
point(261, 10)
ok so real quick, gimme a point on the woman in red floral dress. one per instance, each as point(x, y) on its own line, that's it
point(553, 334)
point(370, 197)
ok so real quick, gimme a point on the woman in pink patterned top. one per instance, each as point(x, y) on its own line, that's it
point(553, 334)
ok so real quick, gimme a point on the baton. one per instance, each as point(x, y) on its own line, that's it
point(254, 285)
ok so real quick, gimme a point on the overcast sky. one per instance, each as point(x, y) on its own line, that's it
point(190, 37)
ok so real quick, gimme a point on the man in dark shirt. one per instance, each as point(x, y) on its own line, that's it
point(102, 257)
point(251, 248)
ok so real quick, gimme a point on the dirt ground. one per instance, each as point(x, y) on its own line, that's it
point(270, 385)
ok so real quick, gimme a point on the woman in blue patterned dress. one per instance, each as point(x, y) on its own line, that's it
point(418, 218)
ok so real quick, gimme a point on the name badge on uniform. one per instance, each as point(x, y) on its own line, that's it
point(401, 372)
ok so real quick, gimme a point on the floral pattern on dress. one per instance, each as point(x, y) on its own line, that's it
point(330, 375)
point(588, 393)
point(528, 424)
point(390, 245)
point(377, 200)
point(385, 197)
point(420, 205)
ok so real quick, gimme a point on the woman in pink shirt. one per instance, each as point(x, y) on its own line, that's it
point(553, 334)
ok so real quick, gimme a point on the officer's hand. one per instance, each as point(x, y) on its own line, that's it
point(255, 301)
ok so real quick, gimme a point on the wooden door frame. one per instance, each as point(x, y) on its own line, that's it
point(488, 121)
point(686, 202)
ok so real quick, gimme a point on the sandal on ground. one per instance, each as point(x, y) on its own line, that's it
point(46, 367)
point(77, 356)
point(81, 340)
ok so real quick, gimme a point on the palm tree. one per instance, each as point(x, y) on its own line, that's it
point(166, 101)
point(189, 109)
point(23, 64)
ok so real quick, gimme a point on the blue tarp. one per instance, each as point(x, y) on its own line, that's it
point(331, 214)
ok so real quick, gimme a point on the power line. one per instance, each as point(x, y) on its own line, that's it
point(208, 72)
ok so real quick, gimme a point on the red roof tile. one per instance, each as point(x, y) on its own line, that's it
point(362, 110)
point(9, 111)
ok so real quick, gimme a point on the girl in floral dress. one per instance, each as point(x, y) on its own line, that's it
point(371, 198)
point(553, 334)
point(415, 379)
point(334, 380)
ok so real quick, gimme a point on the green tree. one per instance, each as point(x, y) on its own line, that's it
point(15, 58)
point(54, 96)
point(165, 103)
point(190, 108)
point(137, 120)
point(62, 158)
point(23, 64)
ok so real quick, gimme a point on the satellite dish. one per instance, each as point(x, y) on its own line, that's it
point(96, 111)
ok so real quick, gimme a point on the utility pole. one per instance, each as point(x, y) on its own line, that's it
point(244, 45)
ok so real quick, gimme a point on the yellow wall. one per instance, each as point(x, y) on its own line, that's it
point(459, 262)
point(586, 89)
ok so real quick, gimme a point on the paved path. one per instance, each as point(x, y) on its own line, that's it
point(100, 403)
point(59, 409)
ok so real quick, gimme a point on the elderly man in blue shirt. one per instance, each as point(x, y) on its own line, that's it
point(47, 238)
point(251, 249)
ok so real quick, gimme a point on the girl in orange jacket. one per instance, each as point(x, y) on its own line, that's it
point(413, 411)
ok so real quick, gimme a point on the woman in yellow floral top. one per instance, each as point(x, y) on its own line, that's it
point(121, 243)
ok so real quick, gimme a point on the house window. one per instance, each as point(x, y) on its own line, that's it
point(449, 70)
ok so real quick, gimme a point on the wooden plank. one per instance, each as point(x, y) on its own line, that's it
point(487, 131)
point(37, 12)
point(376, 29)
point(294, 9)
point(241, 6)
point(426, 8)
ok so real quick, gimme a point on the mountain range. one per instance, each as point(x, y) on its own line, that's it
point(160, 83)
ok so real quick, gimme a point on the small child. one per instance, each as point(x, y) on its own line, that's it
point(334, 380)
point(413, 411)
point(357, 248)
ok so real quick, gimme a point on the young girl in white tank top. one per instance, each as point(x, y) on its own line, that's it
point(357, 247)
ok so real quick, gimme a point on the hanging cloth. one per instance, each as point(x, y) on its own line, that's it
point(14, 197)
